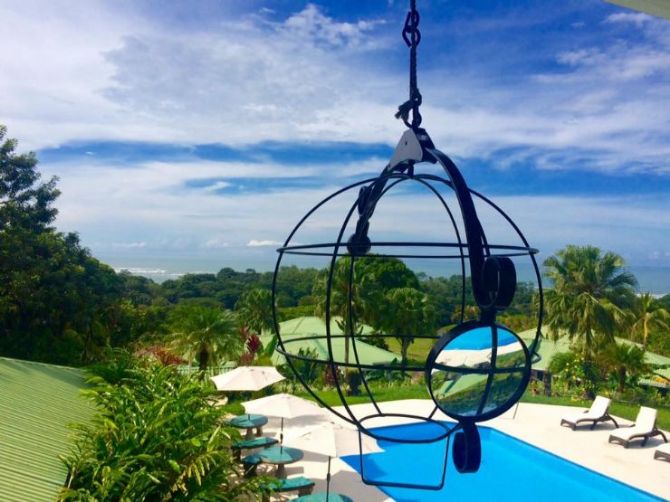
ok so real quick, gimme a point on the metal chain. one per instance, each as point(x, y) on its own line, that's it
point(412, 37)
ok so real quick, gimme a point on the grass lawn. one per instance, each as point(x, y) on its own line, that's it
point(418, 351)
point(383, 393)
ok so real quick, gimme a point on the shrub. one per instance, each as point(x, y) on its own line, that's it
point(154, 437)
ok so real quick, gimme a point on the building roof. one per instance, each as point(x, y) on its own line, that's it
point(37, 403)
point(309, 326)
point(548, 348)
point(660, 8)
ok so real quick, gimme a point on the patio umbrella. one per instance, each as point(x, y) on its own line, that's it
point(247, 378)
point(333, 440)
point(282, 406)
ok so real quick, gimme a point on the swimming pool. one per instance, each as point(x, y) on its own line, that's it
point(511, 470)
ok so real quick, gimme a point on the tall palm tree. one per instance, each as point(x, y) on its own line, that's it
point(346, 313)
point(207, 334)
point(588, 290)
point(646, 314)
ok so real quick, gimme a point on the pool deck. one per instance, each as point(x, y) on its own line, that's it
point(537, 424)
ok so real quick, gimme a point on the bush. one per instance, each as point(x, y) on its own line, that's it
point(154, 437)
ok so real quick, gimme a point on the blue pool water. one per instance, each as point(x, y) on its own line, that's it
point(480, 338)
point(511, 470)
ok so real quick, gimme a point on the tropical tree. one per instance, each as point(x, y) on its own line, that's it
point(588, 291)
point(154, 437)
point(57, 302)
point(645, 315)
point(624, 362)
point(347, 299)
point(358, 296)
point(407, 313)
point(206, 334)
point(24, 200)
point(254, 310)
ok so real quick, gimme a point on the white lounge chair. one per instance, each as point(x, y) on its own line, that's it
point(663, 452)
point(644, 428)
point(597, 413)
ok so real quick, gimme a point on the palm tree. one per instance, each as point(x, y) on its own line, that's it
point(589, 290)
point(647, 314)
point(207, 334)
point(254, 309)
point(624, 361)
point(345, 312)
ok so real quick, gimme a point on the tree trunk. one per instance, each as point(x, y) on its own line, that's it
point(404, 347)
point(645, 333)
point(622, 378)
point(203, 359)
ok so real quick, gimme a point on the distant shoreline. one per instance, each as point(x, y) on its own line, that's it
point(655, 280)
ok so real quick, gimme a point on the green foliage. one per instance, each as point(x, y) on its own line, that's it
point(154, 437)
point(359, 290)
point(208, 335)
point(624, 363)
point(227, 286)
point(306, 368)
point(573, 372)
point(590, 289)
point(254, 309)
point(646, 314)
point(406, 313)
point(25, 202)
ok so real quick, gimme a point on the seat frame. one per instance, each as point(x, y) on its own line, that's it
point(644, 435)
point(595, 421)
point(662, 455)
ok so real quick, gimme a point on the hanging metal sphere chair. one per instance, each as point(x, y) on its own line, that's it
point(475, 371)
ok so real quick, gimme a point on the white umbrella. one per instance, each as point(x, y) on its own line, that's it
point(333, 440)
point(282, 406)
point(247, 378)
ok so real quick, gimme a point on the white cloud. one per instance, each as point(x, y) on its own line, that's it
point(636, 18)
point(313, 26)
point(254, 243)
point(104, 72)
point(129, 245)
point(97, 71)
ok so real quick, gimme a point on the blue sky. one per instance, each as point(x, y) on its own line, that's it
point(203, 130)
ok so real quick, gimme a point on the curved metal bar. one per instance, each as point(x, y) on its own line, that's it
point(502, 247)
point(398, 178)
point(540, 314)
point(329, 344)
point(417, 256)
point(473, 228)
point(353, 337)
point(381, 437)
point(275, 321)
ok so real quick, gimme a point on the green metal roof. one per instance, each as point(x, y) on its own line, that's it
point(37, 403)
point(306, 326)
point(660, 8)
point(548, 348)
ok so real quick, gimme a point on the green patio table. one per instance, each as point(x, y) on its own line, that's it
point(280, 456)
point(321, 497)
point(250, 422)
